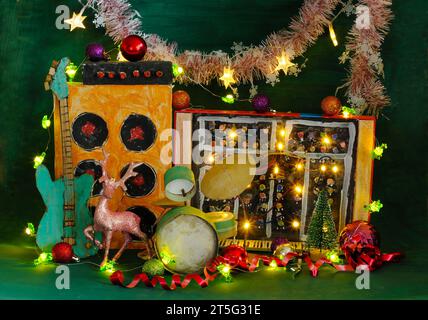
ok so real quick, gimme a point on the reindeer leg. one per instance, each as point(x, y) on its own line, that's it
point(143, 237)
point(108, 235)
point(125, 243)
point(89, 233)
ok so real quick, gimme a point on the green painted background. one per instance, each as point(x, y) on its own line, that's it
point(29, 42)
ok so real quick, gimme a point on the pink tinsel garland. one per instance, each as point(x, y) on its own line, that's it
point(363, 83)
point(364, 88)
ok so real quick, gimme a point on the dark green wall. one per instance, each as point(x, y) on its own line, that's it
point(29, 42)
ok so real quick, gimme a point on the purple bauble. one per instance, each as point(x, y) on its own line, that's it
point(261, 103)
point(277, 242)
point(95, 52)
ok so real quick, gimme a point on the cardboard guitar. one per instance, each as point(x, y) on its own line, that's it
point(67, 214)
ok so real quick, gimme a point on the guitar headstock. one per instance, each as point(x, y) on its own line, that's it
point(56, 79)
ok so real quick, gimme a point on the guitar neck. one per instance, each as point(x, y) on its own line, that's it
point(56, 81)
point(68, 174)
point(66, 140)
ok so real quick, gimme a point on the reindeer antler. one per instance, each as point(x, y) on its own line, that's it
point(103, 162)
point(128, 174)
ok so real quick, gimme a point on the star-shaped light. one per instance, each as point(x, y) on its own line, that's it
point(284, 63)
point(76, 21)
point(227, 77)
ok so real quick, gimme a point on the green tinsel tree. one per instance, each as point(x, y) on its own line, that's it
point(322, 230)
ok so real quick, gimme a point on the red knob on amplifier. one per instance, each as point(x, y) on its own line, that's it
point(159, 74)
point(136, 73)
point(147, 74)
point(100, 74)
point(111, 74)
point(122, 75)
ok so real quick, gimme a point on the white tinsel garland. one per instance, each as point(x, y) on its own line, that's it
point(117, 17)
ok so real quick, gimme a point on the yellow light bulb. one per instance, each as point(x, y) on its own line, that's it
point(276, 170)
point(299, 166)
point(246, 225)
point(273, 264)
point(298, 189)
point(280, 146)
point(295, 224)
point(28, 231)
point(210, 159)
point(345, 114)
point(332, 34)
point(323, 168)
point(282, 133)
point(232, 134)
point(226, 269)
point(326, 140)
point(335, 169)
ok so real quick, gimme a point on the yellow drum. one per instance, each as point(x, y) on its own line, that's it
point(224, 223)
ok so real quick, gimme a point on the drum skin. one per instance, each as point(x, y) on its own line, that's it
point(185, 240)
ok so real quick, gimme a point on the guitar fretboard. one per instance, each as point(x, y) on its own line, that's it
point(68, 174)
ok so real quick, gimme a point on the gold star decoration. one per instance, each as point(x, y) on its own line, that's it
point(76, 21)
point(227, 77)
point(284, 63)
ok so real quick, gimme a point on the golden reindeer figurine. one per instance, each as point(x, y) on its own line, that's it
point(108, 221)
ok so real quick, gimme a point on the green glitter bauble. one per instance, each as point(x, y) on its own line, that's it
point(153, 267)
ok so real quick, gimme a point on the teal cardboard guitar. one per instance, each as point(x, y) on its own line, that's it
point(67, 214)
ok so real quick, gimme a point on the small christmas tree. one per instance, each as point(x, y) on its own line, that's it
point(322, 230)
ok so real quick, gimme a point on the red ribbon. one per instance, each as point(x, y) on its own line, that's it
point(358, 254)
point(313, 267)
point(211, 272)
point(117, 279)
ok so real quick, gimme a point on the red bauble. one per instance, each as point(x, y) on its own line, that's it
point(359, 242)
point(331, 106)
point(360, 232)
point(235, 254)
point(133, 48)
point(180, 100)
point(62, 252)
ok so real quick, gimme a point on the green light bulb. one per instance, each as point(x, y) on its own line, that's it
point(38, 160)
point(228, 99)
point(46, 122)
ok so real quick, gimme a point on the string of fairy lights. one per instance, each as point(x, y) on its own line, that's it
point(228, 80)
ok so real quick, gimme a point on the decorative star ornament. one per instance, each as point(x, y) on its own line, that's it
point(76, 21)
point(227, 77)
point(284, 63)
